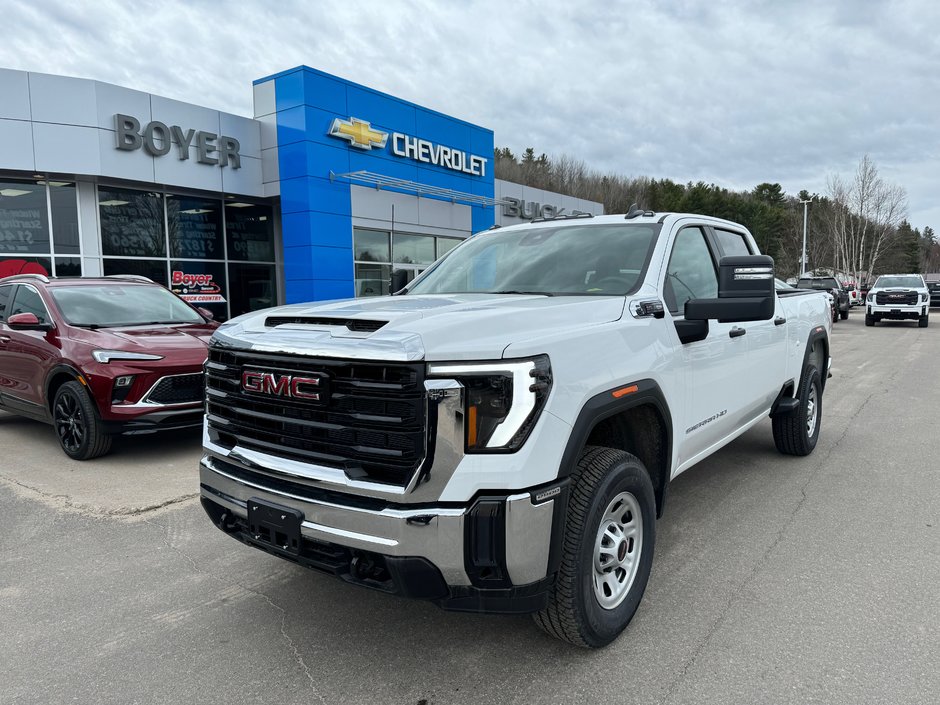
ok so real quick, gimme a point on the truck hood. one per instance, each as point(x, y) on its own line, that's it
point(414, 327)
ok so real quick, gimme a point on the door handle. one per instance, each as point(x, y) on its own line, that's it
point(779, 321)
point(737, 332)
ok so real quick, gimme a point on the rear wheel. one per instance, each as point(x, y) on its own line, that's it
point(844, 314)
point(796, 432)
point(607, 551)
point(76, 423)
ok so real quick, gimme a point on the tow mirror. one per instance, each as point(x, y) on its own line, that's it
point(206, 313)
point(746, 292)
point(399, 280)
point(27, 321)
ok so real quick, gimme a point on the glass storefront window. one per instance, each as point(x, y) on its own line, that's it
point(446, 244)
point(25, 265)
point(201, 284)
point(250, 231)
point(64, 203)
point(68, 266)
point(195, 227)
point(154, 269)
point(252, 287)
point(24, 218)
point(413, 249)
point(372, 279)
point(131, 223)
point(371, 246)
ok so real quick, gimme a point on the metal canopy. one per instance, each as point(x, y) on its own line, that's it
point(380, 181)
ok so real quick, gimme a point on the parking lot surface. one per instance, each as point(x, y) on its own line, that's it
point(776, 579)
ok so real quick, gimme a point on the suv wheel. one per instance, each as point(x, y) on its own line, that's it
point(607, 551)
point(796, 432)
point(76, 423)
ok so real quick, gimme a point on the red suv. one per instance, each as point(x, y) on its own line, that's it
point(97, 357)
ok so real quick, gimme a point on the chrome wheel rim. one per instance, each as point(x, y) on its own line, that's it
point(617, 550)
point(811, 412)
point(69, 422)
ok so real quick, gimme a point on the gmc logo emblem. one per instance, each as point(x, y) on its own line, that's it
point(281, 385)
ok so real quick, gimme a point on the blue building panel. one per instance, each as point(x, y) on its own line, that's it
point(317, 212)
point(382, 111)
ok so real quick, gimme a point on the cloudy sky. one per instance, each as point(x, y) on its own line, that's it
point(734, 92)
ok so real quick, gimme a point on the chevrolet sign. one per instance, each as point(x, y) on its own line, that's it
point(361, 134)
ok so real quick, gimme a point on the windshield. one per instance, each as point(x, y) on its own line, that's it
point(121, 305)
point(817, 284)
point(909, 281)
point(583, 260)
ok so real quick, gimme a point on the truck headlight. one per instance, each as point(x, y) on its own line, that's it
point(502, 400)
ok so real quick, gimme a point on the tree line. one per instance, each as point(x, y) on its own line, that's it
point(858, 227)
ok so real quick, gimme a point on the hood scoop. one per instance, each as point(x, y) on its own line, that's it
point(358, 325)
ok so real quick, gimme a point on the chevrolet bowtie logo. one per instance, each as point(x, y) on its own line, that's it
point(358, 133)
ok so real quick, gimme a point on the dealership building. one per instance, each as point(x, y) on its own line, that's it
point(326, 192)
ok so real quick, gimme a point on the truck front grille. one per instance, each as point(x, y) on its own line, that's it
point(369, 422)
point(906, 298)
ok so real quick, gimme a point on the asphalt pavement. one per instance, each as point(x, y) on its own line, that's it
point(776, 579)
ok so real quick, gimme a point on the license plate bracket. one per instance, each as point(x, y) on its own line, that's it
point(276, 526)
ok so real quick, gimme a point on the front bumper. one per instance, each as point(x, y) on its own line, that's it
point(162, 419)
point(899, 313)
point(491, 555)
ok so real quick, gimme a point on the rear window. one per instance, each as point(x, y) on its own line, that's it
point(817, 284)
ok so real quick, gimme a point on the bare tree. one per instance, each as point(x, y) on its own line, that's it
point(865, 214)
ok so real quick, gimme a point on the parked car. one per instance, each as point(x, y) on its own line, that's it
point(500, 434)
point(855, 296)
point(933, 284)
point(833, 286)
point(98, 357)
point(898, 297)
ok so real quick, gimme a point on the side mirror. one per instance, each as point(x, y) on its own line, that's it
point(27, 321)
point(206, 313)
point(746, 292)
point(399, 280)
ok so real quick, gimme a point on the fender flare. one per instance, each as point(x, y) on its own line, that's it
point(818, 333)
point(603, 406)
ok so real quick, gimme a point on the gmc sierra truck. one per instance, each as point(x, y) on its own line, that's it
point(898, 297)
point(500, 435)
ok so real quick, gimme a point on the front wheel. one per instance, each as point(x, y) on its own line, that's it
point(922, 321)
point(796, 432)
point(76, 423)
point(869, 320)
point(607, 552)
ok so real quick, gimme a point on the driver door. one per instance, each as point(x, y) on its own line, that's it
point(713, 364)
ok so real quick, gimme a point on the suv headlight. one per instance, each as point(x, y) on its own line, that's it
point(502, 400)
point(106, 356)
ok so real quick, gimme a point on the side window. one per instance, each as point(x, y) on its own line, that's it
point(28, 301)
point(691, 272)
point(5, 292)
point(732, 244)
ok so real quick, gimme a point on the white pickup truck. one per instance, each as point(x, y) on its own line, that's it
point(898, 297)
point(500, 435)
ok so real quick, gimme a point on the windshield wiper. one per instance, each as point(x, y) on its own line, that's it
point(527, 293)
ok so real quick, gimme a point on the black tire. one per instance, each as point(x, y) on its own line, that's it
point(922, 321)
point(869, 320)
point(574, 612)
point(844, 314)
point(77, 425)
point(791, 431)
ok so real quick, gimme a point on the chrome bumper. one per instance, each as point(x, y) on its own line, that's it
point(437, 534)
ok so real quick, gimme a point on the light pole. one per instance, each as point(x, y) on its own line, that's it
point(805, 214)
